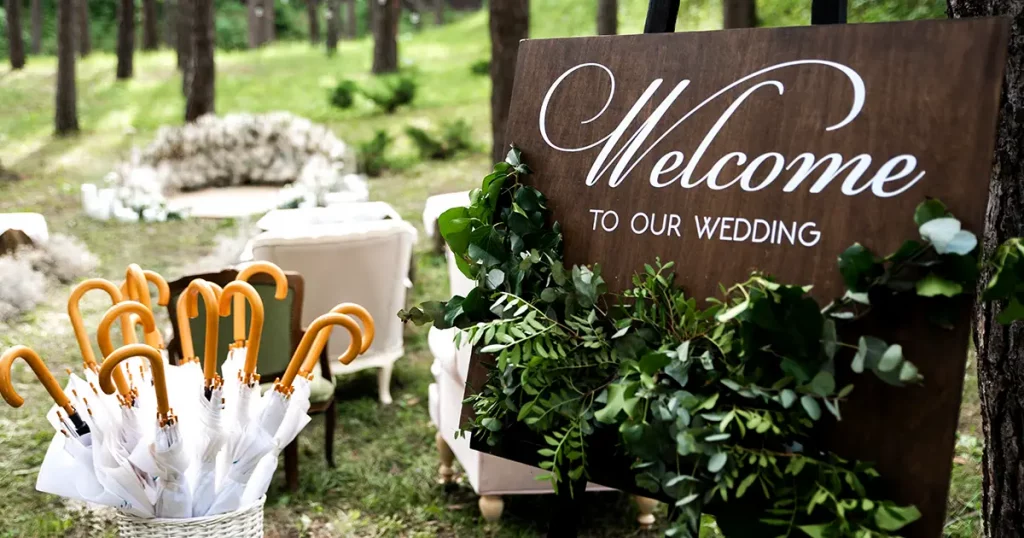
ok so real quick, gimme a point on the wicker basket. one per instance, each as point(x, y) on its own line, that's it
point(242, 523)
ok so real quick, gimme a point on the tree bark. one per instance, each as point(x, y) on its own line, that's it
point(269, 32)
point(199, 99)
point(1001, 348)
point(16, 44)
point(439, 12)
point(171, 24)
point(739, 13)
point(66, 117)
point(184, 35)
point(81, 21)
point(510, 23)
point(608, 17)
point(255, 21)
point(333, 23)
point(37, 27)
point(313, 12)
point(150, 30)
point(385, 36)
point(125, 38)
point(350, 19)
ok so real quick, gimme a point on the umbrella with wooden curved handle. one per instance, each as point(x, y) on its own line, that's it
point(188, 351)
point(45, 377)
point(323, 336)
point(156, 364)
point(233, 291)
point(123, 308)
point(306, 346)
point(247, 272)
point(75, 313)
point(136, 288)
point(211, 302)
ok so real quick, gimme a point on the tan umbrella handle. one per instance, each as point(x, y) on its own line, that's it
point(123, 310)
point(163, 290)
point(75, 313)
point(211, 300)
point(135, 286)
point(156, 364)
point(324, 336)
point(245, 291)
point(247, 272)
point(42, 372)
point(306, 348)
point(188, 351)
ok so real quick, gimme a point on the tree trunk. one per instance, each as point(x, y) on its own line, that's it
point(66, 118)
point(81, 20)
point(184, 35)
point(608, 17)
point(199, 99)
point(125, 38)
point(268, 33)
point(16, 44)
point(170, 24)
point(999, 347)
point(333, 23)
point(385, 36)
point(313, 12)
point(510, 23)
point(739, 13)
point(150, 30)
point(37, 27)
point(350, 19)
point(255, 21)
point(439, 12)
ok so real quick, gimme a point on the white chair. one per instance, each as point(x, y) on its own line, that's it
point(432, 209)
point(491, 477)
point(361, 262)
point(33, 224)
point(334, 214)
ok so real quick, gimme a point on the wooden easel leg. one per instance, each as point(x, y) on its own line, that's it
point(565, 518)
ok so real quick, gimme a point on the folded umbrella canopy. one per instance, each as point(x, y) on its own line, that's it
point(295, 417)
point(170, 455)
point(257, 438)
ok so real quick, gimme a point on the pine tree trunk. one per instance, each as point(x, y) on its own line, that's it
point(125, 38)
point(37, 27)
point(16, 44)
point(439, 12)
point(350, 19)
point(739, 13)
point(313, 12)
point(66, 118)
point(199, 99)
point(268, 33)
point(184, 35)
point(81, 21)
point(608, 17)
point(333, 22)
point(150, 30)
point(510, 23)
point(171, 24)
point(1001, 348)
point(254, 19)
point(385, 36)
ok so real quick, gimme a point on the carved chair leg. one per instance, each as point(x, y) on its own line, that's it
point(330, 420)
point(445, 472)
point(384, 383)
point(291, 465)
point(491, 507)
point(646, 508)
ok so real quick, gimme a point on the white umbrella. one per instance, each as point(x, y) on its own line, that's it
point(169, 453)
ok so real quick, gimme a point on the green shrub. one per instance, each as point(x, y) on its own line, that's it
point(343, 95)
point(372, 154)
point(392, 92)
point(480, 67)
point(455, 137)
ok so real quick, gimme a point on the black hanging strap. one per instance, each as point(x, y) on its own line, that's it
point(661, 16)
point(828, 11)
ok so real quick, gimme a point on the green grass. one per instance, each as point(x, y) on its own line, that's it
point(384, 481)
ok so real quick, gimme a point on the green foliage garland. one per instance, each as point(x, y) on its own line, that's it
point(716, 407)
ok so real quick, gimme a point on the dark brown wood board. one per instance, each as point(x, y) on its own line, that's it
point(750, 125)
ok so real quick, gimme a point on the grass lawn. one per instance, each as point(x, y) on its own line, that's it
point(384, 483)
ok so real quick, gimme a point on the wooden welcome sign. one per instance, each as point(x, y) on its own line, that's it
point(774, 150)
